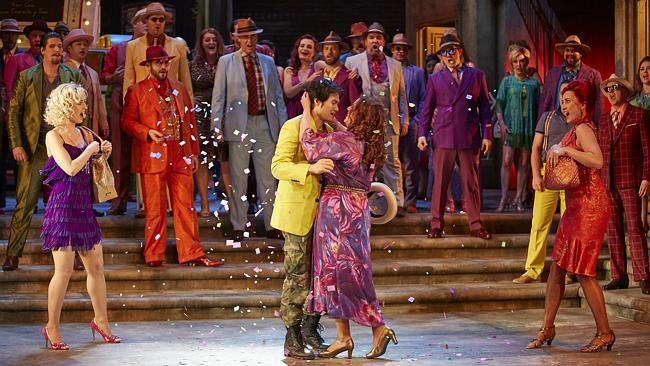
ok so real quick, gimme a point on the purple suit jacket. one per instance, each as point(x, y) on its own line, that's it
point(463, 118)
point(351, 91)
point(586, 73)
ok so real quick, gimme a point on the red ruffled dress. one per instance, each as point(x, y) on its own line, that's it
point(583, 225)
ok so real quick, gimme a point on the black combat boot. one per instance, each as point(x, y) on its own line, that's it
point(310, 334)
point(293, 346)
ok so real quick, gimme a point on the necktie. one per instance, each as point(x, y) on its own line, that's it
point(615, 119)
point(251, 83)
point(84, 72)
point(7, 57)
point(456, 75)
point(376, 70)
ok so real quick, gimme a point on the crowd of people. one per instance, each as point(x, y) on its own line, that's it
point(312, 137)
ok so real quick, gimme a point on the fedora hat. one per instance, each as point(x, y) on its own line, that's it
point(61, 27)
point(333, 38)
point(358, 29)
point(246, 27)
point(138, 16)
point(9, 25)
point(617, 79)
point(449, 40)
point(375, 27)
point(76, 35)
point(156, 8)
point(401, 40)
point(156, 53)
point(39, 25)
point(573, 41)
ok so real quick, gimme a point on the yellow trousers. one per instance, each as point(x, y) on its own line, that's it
point(543, 210)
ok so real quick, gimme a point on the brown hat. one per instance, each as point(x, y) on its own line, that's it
point(76, 35)
point(246, 27)
point(617, 79)
point(449, 40)
point(156, 9)
point(156, 53)
point(333, 38)
point(61, 27)
point(39, 25)
point(573, 41)
point(358, 29)
point(375, 27)
point(400, 39)
point(9, 25)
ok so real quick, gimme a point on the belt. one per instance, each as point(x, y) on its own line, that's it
point(339, 187)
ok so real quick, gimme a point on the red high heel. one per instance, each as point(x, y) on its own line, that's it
point(108, 339)
point(57, 346)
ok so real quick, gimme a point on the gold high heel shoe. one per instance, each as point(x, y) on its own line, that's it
point(380, 348)
point(545, 335)
point(598, 343)
point(348, 346)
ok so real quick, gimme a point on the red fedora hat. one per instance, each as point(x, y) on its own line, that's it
point(156, 53)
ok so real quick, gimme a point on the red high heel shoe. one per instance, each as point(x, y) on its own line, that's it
point(108, 339)
point(57, 346)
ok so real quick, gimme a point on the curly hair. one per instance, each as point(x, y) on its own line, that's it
point(58, 109)
point(367, 121)
point(199, 53)
point(294, 61)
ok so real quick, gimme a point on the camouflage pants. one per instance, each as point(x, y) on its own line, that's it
point(297, 267)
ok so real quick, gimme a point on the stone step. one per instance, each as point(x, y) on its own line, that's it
point(629, 304)
point(223, 304)
point(129, 250)
point(261, 276)
point(418, 223)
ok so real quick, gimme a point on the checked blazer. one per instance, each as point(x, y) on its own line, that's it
point(626, 150)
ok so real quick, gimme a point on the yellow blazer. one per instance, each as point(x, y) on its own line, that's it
point(296, 199)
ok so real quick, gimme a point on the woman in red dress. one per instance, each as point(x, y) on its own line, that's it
point(582, 227)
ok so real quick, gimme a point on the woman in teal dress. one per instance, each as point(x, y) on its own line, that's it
point(517, 102)
point(642, 85)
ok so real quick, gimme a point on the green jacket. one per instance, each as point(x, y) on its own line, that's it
point(25, 114)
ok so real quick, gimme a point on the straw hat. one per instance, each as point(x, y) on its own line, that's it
point(617, 79)
point(333, 38)
point(76, 35)
point(156, 8)
point(401, 40)
point(573, 41)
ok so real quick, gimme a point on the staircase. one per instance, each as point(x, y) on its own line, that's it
point(411, 274)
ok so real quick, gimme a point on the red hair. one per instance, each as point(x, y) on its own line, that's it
point(584, 93)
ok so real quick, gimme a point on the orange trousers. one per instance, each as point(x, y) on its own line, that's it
point(178, 178)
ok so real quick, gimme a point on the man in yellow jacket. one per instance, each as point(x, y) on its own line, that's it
point(294, 212)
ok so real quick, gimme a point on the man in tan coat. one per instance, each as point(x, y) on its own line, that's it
point(156, 16)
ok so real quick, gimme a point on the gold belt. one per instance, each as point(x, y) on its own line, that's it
point(345, 188)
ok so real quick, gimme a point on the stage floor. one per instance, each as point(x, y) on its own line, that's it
point(487, 338)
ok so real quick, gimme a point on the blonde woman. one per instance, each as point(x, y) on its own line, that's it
point(69, 224)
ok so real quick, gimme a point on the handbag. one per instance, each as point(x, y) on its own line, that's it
point(564, 174)
point(103, 180)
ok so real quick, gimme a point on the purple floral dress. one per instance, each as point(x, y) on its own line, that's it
point(69, 218)
point(342, 284)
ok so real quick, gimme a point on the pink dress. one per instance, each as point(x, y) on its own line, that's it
point(342, 284)
point(294, 108)
point(583, 225)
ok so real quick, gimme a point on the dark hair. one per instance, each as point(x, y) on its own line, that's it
point(431, 57)
point(638, 85)
point(49, 35)
point(198, 52)
point(294, 61)
point(368, 124)
point(267, 42)
point(321, 89)
point(584, 93)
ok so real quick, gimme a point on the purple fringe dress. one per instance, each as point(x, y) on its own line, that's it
point(342, 285)
point(69, 218)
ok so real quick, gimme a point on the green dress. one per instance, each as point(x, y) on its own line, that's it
point(518, 101)
point(641, 101)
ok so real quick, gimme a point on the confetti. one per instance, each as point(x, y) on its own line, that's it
point(244, 198)
point(331, 288)
point(157, 236)
point(411, 299)
point(246, 171)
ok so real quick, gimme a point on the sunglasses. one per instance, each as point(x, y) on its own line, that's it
point(157, 19)
point(400, 48)
point(448, 52)
point(611, 88)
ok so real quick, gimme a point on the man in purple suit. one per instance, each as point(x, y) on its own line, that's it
point(572, 50)
point(331, 47)
point(461, 130)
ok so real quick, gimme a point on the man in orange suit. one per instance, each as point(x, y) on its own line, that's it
point(158, 113)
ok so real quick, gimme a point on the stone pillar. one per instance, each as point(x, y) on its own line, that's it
point(479, 32)
point(220, 16)
point(632, 41)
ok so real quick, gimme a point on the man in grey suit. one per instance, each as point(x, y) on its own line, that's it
point(382, 77)
point(247, 112)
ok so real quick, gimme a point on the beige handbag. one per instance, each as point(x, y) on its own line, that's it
point(564, 174)
point(103, 180)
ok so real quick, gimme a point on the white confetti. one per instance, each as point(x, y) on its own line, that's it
point(411, 299)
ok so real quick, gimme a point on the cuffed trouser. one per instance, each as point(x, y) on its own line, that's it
point(27, 192)
point(297, 268)
point(544, 208)
point(391, 173)
point(178, 178)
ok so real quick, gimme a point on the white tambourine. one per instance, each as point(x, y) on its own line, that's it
point(391, 203)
